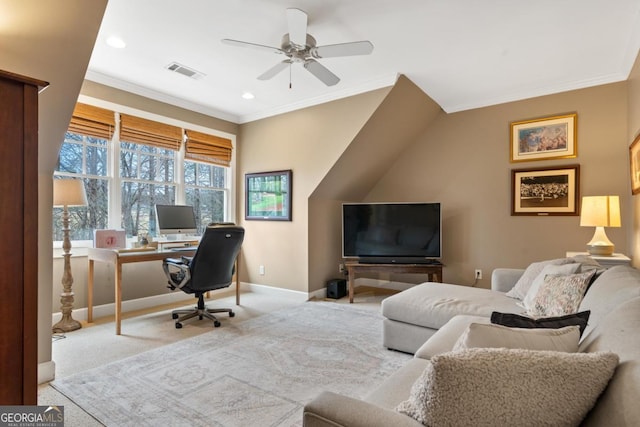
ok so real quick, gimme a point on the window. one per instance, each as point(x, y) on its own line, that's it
point(147, 177)
point(84, 157)
point(149, 167)
point(206, 190)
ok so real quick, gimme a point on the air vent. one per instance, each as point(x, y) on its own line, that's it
point(185, 71)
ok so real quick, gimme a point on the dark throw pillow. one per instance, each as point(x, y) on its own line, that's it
point(516, 321)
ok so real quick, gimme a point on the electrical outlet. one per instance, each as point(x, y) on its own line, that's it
point(341, 268)
point(478, 274)
point(262, 270)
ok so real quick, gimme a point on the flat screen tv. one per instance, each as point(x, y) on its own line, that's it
point(176, 219)
point(392, 232)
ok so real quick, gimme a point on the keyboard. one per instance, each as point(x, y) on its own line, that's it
point(185, 248)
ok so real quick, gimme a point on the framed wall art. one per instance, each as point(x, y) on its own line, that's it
point(545, 191)
point(544, 138)
point(634, 161)
point(268, 195)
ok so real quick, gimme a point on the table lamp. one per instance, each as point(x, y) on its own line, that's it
point(600, 212)
point(67, 192)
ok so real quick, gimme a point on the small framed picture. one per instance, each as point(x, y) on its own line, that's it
point(545, 191)
point(268, 195)
point(544, 138)
point(634, 161)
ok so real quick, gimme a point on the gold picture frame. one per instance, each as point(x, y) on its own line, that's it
point(545, 191)
point(547, 138)
point(634, 164)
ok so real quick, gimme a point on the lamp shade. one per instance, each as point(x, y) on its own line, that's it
point(600, 211)
point(69, 192)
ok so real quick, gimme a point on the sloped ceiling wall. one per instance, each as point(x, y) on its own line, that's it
point(401, 117)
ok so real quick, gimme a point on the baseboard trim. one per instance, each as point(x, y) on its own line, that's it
point(46, 371)
point(281, 292)
point(131, 305)
point(174, 297)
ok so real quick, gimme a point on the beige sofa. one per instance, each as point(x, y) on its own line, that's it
point(614, 325)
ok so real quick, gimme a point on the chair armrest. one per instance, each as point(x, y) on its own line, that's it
point(332, 410)
point(503, 279)
point(174, 261)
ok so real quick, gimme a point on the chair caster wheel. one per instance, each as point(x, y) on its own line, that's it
point(231, 314)
point(174, 316)
point(199, 317)
point(178, 325)
point(216, 324)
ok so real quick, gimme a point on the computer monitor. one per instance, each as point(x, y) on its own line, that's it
point(176, 219)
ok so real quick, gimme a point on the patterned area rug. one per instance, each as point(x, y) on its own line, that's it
point(259, 372)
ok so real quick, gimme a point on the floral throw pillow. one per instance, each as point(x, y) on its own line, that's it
point(560, 295)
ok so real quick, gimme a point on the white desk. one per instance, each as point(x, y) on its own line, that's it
point(117, 259)
point(605, 261)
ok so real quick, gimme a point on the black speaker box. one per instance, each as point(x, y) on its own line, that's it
point(336, 288)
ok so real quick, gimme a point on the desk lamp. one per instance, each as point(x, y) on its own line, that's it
point(67, 192)
point(600, 212)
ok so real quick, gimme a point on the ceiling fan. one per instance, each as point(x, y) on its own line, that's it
point(300, 47)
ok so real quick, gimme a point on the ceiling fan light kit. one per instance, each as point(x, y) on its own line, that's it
point(300, 47)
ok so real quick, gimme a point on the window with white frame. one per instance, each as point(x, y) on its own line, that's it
point(143, 175)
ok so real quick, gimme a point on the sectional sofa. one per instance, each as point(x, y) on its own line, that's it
point(613, 300)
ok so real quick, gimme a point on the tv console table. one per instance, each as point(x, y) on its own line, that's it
point(434, 271)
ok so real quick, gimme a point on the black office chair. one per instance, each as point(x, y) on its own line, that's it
point(211, 267)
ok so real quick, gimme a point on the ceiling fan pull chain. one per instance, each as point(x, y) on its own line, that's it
point(289, 75)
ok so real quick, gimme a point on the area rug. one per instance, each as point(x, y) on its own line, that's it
point(259, 372)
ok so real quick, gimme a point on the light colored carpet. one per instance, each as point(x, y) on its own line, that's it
point(259, 372)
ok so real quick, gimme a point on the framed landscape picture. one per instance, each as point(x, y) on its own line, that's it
point(634, 161)
point(268, 195)
point(544, 138)
point(545, 191)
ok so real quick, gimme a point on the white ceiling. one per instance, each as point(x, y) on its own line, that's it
point(464, 54)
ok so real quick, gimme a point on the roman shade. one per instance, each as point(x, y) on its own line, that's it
point(92, 121)
point(208, 148)
point(148, 132)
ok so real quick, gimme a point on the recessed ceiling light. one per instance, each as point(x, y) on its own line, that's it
point(248, 95)
point(116, 42)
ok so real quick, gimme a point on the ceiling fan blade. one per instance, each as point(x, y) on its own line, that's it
point(321, 72)
point(271, 72)
point(342, 49)
point(297, 22)
point(252, 46)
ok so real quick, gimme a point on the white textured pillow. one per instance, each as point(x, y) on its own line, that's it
point(560, 295)
point(525, 281)
point(490, 335)
point(561, 270)
point(497, 386)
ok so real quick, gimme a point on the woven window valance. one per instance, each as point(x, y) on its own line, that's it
point(148, 132)
point(92, 121)
point(208, 148)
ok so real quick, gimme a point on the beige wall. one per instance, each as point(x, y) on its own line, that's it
point(633, 132)
point(309, 142)
point(462, 160)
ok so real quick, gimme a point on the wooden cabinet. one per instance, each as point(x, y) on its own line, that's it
point(18, 238)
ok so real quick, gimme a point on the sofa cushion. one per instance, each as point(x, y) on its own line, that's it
point(446, 337)
point(397, 387)
point(560, 295)
point(525, 281)
point(478, 387)
point(618, 332)
point(516, 321)
point(560, 270)
point(478, 335)
point(613, 287)
point(432, 304)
